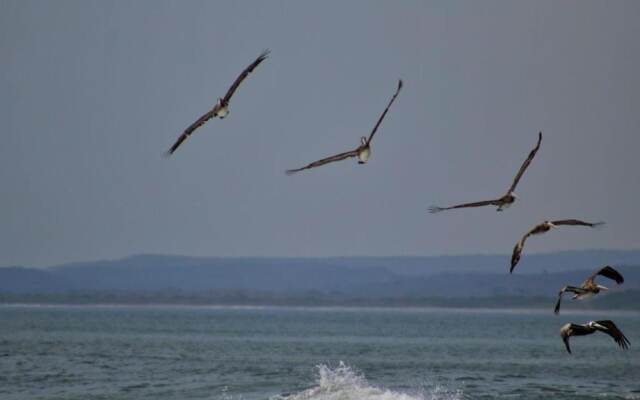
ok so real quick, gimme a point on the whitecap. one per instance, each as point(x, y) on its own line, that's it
point(344, 383)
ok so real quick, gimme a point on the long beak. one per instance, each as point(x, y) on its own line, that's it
point(597, 325)
point(602, 287)
point(566, 343)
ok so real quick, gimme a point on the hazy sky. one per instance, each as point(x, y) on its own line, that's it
point(93, 92)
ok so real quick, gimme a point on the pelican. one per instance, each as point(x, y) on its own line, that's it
point(543, 228)
point(361, 153)
point(605, 326)
point(508, 198)
point(221, 108)
point(588, 287)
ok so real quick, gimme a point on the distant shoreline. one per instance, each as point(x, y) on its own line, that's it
point(395, 282)
point(523, 308)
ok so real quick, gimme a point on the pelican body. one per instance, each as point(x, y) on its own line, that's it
point(589, 288)
point(364, 151)
point(605, 326)
point(543, 228)
point(221, 108)
point(506, 201)
point(361, 153)
point(508, 198)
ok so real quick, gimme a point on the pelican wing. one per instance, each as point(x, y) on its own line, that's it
point(608, 272)
point(337, 157)
point(581, 330)
point(525, 165)
point(612, 330)
point(187, 132)
point(577, 222)
point(244, 74)
point(517, 252)
point(375, 128)
point(436, 209)
point(570, 329)
point(565, 339)
point(565, 289)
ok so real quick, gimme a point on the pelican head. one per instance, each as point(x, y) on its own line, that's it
point(222, 108)
point(594, 324)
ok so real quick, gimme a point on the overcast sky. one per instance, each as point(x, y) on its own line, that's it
point(92, 93)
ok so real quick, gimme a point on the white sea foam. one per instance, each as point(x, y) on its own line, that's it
point(343, 383)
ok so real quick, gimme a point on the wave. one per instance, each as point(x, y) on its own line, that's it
point(344, 383)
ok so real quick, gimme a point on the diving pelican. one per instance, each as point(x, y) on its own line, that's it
point(543, 228)
point(588, 288)
point(605, 326)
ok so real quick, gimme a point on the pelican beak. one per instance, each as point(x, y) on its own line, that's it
point(597, 325)
point(566, 343)
point(602, 287)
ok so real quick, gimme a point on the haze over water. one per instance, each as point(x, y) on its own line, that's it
point(104, 352)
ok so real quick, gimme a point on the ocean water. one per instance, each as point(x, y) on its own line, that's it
point(103, 352)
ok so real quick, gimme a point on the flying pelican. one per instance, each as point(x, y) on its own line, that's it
point(221, 108)
point(605, 326)
point(505, 201)
point(362, 152)
point(543, 228)
point(588, 287)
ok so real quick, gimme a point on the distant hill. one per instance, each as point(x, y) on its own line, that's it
point(327, 280)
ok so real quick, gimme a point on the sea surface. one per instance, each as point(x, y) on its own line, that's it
point(181, 353)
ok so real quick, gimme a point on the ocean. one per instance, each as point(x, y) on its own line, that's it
point(181, 353)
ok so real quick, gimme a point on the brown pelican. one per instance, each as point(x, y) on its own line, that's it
point(362, 152)
point(588, 287)
point(505, 201)
point(542, 228)
point(221, 108)
point(605, 326)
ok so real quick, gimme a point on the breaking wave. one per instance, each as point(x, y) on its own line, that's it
point(343, 383)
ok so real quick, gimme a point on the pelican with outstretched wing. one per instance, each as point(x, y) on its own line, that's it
point(605, 326)
point(362, 152)
point(508, 198)
point(221, 108)
point(543, 228)
point(589, 288)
